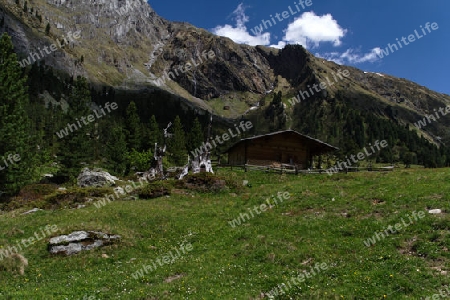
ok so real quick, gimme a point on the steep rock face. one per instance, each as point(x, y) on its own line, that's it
point(125, 43)
point(291, 63)
point(229, 68)
point(125, 21)
point(117, 37)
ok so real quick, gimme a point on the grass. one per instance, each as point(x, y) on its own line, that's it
point(325, 220)
point(238, 103)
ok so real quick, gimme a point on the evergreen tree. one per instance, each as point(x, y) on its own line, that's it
point(154, 133)
point(177, 144)
point(15, 127)
point(133, 128)
point(195, 137)
point(38, 116)
point(47, 29)
point(77, 146)
point(116, 151)
point(53, 123)
point(276, 113)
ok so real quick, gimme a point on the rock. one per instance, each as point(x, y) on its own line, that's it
point(79, 241)
point(119, 190)
point(74, 236)
point(31, 211)
point(172, 278)
point(435, 211)
point(95, 178)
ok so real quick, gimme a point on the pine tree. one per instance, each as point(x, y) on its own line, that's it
point(47, 29)
point(15, 127)
point(177, 144)
point(195, 137)
point(133, 128)
point(154, 133)
point(77, 146)
point(116, 151)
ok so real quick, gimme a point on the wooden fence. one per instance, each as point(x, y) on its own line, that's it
point(292, 169)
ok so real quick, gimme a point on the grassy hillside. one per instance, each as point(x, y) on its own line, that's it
point(323, 221)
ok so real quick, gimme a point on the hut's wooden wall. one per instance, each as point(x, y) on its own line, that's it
point(236, 157)
point(284, 148)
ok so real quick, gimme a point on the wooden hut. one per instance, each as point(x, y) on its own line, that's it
point(282, 148)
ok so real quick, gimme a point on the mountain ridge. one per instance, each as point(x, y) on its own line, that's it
point(126, 45)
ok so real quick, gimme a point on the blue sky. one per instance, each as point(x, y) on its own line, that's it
point(350, 32)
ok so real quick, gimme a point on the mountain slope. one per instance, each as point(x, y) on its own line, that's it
point(125, 44)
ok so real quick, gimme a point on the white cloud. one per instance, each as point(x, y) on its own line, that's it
point(351, 56)
point(309, 30)
point(280, 45)
point(239, 33)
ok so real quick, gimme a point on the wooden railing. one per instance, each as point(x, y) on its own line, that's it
point(293, 169)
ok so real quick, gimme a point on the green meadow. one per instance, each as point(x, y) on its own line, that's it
point(324, 221)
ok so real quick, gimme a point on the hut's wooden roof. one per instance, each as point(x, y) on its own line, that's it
point(316, 146)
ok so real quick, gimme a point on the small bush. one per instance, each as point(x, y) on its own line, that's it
point(73, 197)
point(203, 182)
point(29, 196)
point(14, 263)
point(140, 161)
point(53, 199)
point(155, 190)
point(36, 191)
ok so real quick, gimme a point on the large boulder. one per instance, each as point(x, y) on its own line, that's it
point(79, 241)
point(95, 178)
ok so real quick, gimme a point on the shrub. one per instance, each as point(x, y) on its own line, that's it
point(203, 182)
point(54, 199)
point(140, 161)
point(15, 263)
point(155, 190)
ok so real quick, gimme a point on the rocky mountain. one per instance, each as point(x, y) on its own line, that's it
point(126, 45)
